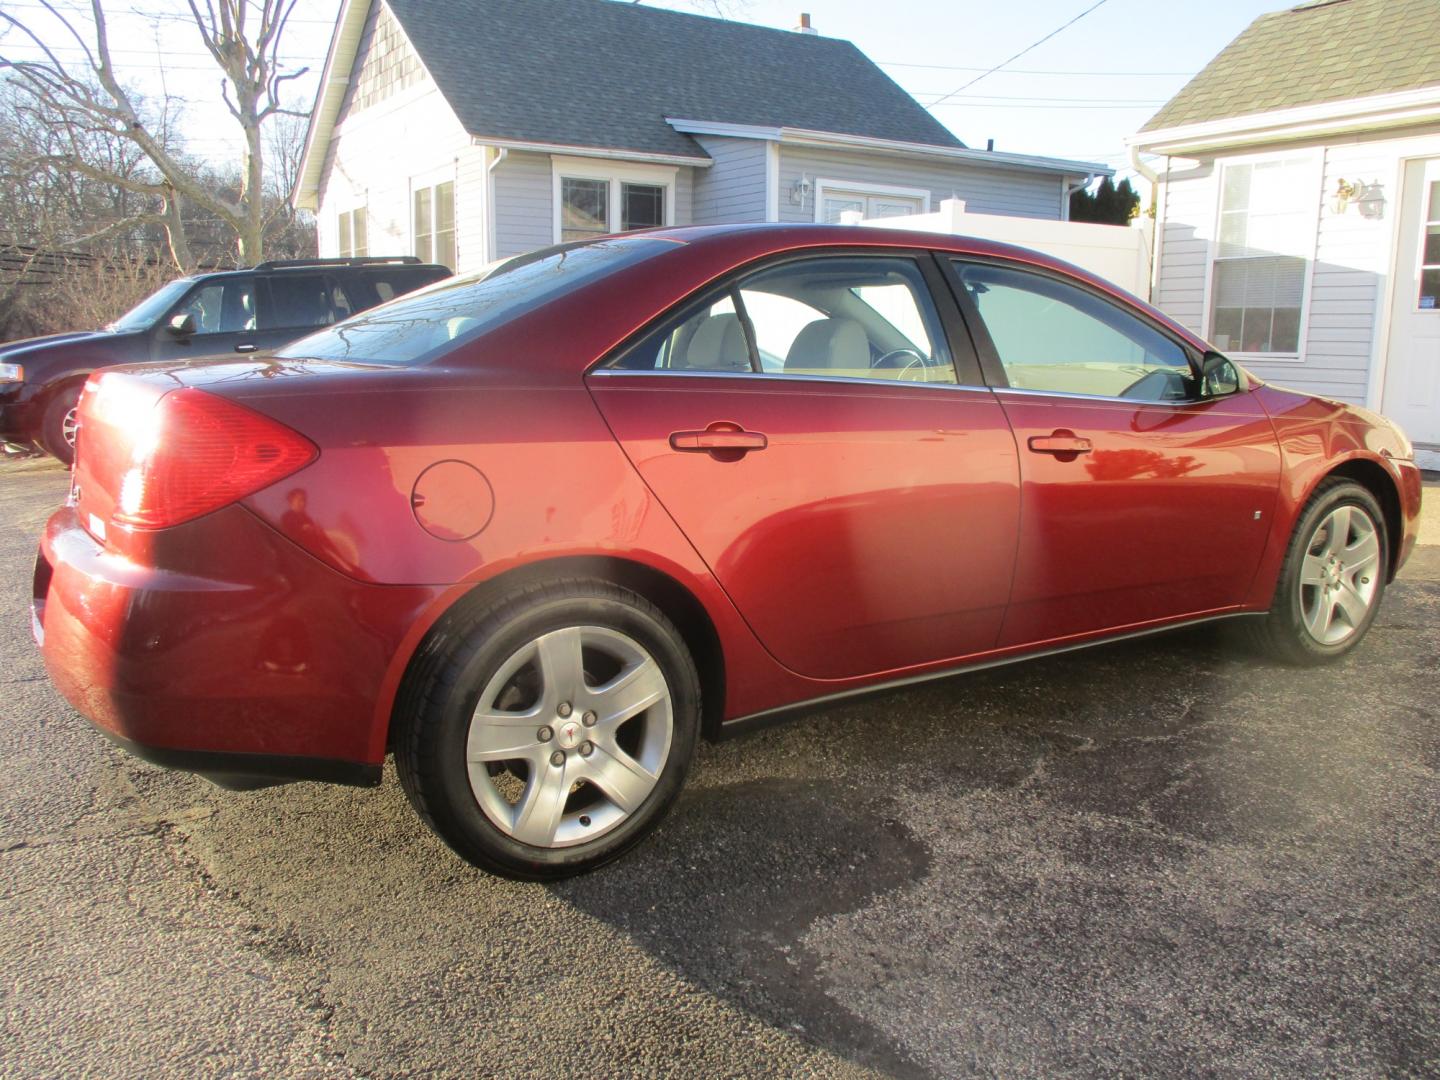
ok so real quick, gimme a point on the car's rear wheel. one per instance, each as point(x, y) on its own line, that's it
point(58, 424)
point(554, 732)
point(1333, 578)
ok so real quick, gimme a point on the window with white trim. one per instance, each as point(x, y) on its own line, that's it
point(835, 199)
point(1266, 233)
point(434, 215)
point(596, 198)
point(352, 229)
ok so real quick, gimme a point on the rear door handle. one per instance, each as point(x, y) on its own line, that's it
point(246, 346)
point(1065, 445)
point(722, 439)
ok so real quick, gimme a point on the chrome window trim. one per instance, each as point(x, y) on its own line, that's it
point(1071, 396)
point(776, 376)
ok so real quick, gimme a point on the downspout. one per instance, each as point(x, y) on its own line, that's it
point(492, 227)
point(1067, 192)
point(1154, 177)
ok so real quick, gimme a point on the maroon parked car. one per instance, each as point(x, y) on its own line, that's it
point(539, 529)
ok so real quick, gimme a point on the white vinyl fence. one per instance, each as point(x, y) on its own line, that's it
point(1118, 254)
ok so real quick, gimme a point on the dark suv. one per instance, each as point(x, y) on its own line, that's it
point(241, 311)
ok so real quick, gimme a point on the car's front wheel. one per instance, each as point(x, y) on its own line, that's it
point(58, 424)
point(552, 733)
point(1332, 580)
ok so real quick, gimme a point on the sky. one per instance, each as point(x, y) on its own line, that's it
point(1075, 96)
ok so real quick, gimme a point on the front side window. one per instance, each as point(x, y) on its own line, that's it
point(850, 317)
point(353, 229)
point(435, 224)
point(221, 307)
point(1052, 336)
point(1267, 223)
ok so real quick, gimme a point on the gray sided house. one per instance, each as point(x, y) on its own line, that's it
point(1298, 216)
point(466, 130)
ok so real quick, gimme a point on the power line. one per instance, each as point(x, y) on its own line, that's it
point(1033, 71)
point(1023, 51)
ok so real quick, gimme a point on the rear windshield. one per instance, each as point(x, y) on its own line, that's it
point(143, 314)
point(428, 323)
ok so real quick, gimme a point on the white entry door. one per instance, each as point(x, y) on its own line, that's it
point(1412, 370)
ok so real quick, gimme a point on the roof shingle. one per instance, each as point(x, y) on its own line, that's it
point(598, 73)
point(1328, 50)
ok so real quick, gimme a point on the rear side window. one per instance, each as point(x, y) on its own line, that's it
point(368, 288)
point(839, 317)
point(431, 322)
point(300, 301)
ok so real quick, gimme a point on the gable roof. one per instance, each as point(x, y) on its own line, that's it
point(606, 74)
point(1327, 50)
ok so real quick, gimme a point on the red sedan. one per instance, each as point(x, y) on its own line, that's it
point(539, 529)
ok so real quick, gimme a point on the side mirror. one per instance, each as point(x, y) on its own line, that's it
point(181, 326)
point(1218, 376)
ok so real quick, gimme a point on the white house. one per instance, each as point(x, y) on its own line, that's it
point(464, 130)
point(1298, 204)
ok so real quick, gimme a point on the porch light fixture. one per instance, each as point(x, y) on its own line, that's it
point(800, 191)
point(1371, 201)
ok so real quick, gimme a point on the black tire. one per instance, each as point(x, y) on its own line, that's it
point(53, 422)
point(459, 664)
point(1282, 632)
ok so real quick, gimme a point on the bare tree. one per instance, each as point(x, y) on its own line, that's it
point(87, 99)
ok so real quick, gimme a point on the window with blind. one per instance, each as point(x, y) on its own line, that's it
point(435, 224)
point(1267, 229)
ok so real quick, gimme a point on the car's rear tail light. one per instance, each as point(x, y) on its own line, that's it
point(193, 452)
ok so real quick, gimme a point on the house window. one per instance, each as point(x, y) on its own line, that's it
point(1267, 226)
point(595, 198)
point(1430, 253)
point(435, 224)
point(353, 241)
point(836, 198)
point(584, 208)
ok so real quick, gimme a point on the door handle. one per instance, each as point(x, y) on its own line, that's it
point(1065, 445)
point(722, 440)
point(246, 346)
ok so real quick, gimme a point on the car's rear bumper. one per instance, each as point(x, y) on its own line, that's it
point(266, 668)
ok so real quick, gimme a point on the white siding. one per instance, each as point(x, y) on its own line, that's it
point(524, 203)
point(1351, 262)
point(733, 189)
point(1187, 229)
point(985, 191)
point(378, 153)
point(1347, 289)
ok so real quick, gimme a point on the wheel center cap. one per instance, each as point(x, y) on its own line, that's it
point(568, 734)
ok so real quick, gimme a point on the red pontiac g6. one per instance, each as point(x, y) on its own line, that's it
point(538, 529)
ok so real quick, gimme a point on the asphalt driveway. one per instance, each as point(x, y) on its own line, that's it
point(1160, 857)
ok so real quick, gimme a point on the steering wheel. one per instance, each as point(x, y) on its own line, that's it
point(894, 358)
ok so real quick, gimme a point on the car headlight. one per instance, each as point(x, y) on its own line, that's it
point(12, 373)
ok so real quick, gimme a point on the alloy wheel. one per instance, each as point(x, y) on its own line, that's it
point(569, 736)
point(69, 426)
point(1339, 577)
